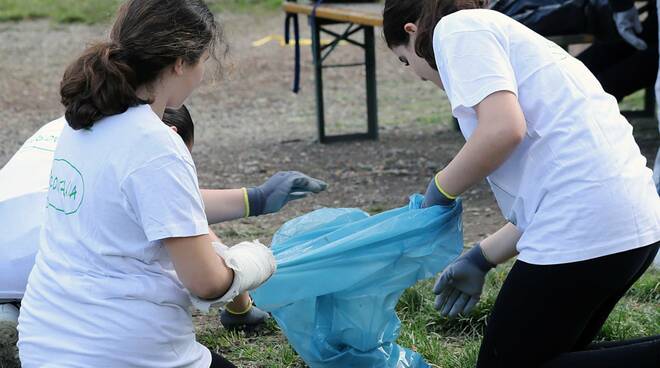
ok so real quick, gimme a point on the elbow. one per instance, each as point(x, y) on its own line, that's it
point(213, 286)
point(516, 133)
point(208, 294)
point(208, 290)
point(508, 138)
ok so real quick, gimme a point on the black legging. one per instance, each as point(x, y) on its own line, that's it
point(547, 316)
point(621, 68)
point(218, 361)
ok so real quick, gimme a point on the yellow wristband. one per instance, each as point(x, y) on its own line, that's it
point(442, 190)
point(247, 203)
point(243, 312)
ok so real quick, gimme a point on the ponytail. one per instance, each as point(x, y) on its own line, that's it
point(96, 85)
point(147, 37)
point(425, 14)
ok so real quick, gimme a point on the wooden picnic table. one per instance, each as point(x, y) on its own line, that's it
point(364, 17)
point(369, 14)
point(357, 17)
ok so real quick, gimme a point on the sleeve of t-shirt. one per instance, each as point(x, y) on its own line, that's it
point(165, 199)
point(474, 65)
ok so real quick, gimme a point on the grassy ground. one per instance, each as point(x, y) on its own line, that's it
point(94, 11)
point(444, 343)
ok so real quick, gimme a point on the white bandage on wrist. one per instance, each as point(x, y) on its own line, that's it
point(252, 262)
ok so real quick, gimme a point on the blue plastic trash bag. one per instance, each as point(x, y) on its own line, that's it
point(340, 273)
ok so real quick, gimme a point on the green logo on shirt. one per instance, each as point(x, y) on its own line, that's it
point(44, 142)
point(66, 187)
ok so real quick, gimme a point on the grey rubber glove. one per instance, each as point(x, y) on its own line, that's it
point(281, 188)
point(459, 287)
point(434, 196)
point(628, 24)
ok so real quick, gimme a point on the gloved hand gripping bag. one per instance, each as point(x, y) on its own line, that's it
point(341, 272)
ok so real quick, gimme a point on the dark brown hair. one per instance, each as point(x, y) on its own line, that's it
point(425, 14)
point(181, 119)
point(147, 37)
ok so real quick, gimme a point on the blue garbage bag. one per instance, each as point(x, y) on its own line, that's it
point(340, 273)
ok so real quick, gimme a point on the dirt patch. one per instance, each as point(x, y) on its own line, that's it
point(249, 125)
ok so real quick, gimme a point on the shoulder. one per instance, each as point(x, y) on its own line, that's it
point(466, 21)
point(142, 136)
point(144, 128)
point(470, 32)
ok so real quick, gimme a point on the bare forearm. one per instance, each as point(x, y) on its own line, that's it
point(223, 204)
point(500, 129)
point(199, 268)
point(501, 246)
point(481, 155)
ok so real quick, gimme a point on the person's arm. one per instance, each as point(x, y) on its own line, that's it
point(501, 246)
point(213, 271)
point(283, 187)
point(459, 287)
point(628, 24)
point(501, 127)
point(223, 205)
point(198, 266)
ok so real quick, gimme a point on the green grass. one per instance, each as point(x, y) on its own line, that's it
point(267, 349)
point(443, 343)
point(633, 102)
point(95, 11)
point(63, 11)
point(244, 5)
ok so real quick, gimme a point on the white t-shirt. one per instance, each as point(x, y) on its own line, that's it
point(577, 186)
point(103, 291)
point(23, 187)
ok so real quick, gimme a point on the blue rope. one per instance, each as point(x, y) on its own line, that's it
point(296, 34)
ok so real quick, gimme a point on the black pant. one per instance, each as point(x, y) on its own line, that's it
point(218, 361)
point(547, 316)
point(621, 68)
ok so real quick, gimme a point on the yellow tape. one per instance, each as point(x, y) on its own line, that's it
point(280, 40)
point(262, 41)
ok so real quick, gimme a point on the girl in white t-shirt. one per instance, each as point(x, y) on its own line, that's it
point(125, 244)
point(24, 183)
point(583, 214)
point(241, 313)
point(22, 197)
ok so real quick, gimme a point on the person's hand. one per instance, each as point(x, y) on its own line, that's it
point(628, 24)
point(459, 287)
point(435, 196)
point(281, 188)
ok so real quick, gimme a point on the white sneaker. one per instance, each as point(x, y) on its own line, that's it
point(8, 336)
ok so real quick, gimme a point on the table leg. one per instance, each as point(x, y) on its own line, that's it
point(318, 77)
point(372, 97)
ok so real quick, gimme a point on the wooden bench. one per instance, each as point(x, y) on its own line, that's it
point(357, 17)
point(364, 17)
